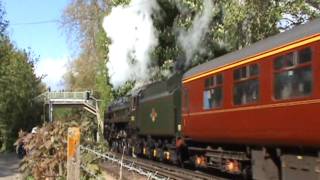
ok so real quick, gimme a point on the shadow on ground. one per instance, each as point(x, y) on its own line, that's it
point(9, 164)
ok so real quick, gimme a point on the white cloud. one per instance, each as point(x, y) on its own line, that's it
point(53, 69)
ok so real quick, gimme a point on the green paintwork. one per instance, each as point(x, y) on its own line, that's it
point(159, 109)
point(118, 111)
point(153, 110)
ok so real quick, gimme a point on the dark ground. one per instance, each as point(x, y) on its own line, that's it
point(9, 164)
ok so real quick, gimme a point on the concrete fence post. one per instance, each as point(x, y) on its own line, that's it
point(73, 154)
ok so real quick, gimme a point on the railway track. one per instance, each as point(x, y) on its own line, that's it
point(170, 171)
point(153, 169)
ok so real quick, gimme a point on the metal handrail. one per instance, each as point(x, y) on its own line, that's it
point(83, 98)
point(63, 95)
point(67, 95)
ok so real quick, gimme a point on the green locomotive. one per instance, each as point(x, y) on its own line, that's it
point(148, 121)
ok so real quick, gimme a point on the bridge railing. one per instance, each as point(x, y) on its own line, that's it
point(63, 95)
point(67, 95)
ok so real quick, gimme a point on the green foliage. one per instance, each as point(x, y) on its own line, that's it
point(65, 113)
point(245, 22)
point(120, 2)
point(102, 87)
point(123, 90)
point(164, 22)
point(18, 87)
point(249, 21)
point(3, 22)
point(234, 24)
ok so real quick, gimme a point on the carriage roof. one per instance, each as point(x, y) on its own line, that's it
point(297, 33)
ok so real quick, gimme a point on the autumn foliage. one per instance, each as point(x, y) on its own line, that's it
point(47, 148)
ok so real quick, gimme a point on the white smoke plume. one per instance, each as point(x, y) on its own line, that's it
point(190, 40)
point(133, 37)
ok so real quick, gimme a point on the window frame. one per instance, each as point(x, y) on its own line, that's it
point(214, 86)
point(296, 66)
point(248, 78)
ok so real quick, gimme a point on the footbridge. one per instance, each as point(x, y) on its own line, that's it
point(83, 99)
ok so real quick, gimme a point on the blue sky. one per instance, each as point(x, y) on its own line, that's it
point(46, 40)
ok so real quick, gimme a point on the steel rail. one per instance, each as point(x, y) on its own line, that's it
point(152, 169)
point(130, 166)
point(170, 171)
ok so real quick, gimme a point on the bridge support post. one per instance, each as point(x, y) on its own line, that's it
point(100, 123)
point(50, 111)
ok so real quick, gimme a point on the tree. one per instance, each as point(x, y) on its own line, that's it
point(82, 19)
point(234, 24)
point(18, 87)
point(245, 22)
point(3, 22)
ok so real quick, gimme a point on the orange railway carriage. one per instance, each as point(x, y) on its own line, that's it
point(264, 94)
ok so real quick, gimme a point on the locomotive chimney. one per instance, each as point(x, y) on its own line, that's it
point(180, 63)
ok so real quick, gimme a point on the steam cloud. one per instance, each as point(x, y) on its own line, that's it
point(133, 37)
point(190, 40)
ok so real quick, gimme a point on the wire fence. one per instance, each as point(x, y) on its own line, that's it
point(130, 166)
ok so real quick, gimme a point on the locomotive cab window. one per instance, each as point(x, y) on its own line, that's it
point(212, 95)
point(134, 103)
point(246, 86)
point(293, 75)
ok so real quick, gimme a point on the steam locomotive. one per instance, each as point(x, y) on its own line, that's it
point(252, 112)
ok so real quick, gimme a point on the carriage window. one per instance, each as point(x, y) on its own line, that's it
point(212, 98)
point(305, 55)
point(254, 70)
point(295, 81)
point(284, 61)
point(246, 92)
point(246, 88)
point(246, 72)
point(212, 95)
